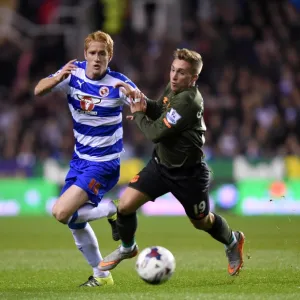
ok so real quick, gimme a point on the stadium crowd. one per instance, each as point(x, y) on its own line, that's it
point(250, 81)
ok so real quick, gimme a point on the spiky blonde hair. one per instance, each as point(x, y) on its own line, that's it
point(192, 57)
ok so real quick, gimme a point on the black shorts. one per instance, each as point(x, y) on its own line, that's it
point(189, 185)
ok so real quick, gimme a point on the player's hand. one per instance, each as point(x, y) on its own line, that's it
point(130, 118)
point(66, 70)
point(138, 103)
point(126, 89)
point(135, 95)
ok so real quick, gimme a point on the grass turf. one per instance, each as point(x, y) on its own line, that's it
point(39, 261)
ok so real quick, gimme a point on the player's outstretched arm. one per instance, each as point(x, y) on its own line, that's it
point(175, 119)
point(45, 85)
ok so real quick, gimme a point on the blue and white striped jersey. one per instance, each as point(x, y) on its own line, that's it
point(96, 109)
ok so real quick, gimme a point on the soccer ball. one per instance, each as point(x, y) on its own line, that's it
point(155, 265)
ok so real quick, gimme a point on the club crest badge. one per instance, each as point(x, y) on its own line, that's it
point(104, 91)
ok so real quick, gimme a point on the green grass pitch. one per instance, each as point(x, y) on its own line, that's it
point(38, 260)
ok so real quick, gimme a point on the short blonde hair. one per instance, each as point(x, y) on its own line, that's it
point(192, 57)
point(100, 36)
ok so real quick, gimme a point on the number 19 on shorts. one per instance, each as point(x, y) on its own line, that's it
point(199, 208)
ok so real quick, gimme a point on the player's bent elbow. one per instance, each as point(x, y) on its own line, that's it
point(152, 136)
point(36, 92)
point(155, 139)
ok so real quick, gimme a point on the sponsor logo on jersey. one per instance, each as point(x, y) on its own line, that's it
point(104, 91)
point(173, 116)
point(92, 113)
point(87, 104)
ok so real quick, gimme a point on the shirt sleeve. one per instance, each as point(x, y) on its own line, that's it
point(175, 119)
point(154, 108)
point(122, 96)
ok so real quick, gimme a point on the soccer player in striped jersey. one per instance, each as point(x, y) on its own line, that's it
point(96, 108)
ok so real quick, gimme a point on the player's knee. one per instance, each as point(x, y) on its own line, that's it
point(202, 224)
point(60, 215)
point(131, 200)
point(125, 209)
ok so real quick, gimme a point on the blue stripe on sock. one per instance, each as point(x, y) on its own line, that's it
point(77, 226)
point(74, 217)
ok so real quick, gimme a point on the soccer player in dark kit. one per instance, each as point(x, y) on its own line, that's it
point(175, 124)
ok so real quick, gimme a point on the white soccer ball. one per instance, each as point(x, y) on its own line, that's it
point(155, 265)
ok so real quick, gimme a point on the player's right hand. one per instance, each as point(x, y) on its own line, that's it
point(66, 70)
point(135, 95)
point(126, 89)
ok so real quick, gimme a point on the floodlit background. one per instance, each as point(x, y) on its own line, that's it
point(251, 87)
